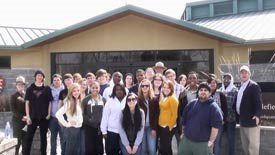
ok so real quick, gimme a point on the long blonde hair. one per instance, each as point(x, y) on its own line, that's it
point(151, 93)
point(73, 101)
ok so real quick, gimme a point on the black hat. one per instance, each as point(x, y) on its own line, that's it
point(39, 72)
point(204, 85)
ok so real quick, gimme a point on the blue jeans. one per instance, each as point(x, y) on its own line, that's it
point(217, 143)
point(55, 129)
point(124, 151)
point(231, 127)
point(82, 142)
point(148, 142)
point(72, 136)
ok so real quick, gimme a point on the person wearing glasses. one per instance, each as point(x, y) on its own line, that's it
point(157, 84)
point(168, 106)
point(202, 119)
point(149, 104)
point(131, 127)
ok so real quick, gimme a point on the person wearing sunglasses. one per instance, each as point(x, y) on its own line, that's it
point(149, 104)
point(131, 127)
point(168, 105)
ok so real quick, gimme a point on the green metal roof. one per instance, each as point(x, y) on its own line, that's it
point(14, 37)
point(253, 27)
point(121, 11)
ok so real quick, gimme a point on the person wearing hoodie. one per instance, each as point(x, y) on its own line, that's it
point(54, 127)
point(230, 91)
point(202, 119)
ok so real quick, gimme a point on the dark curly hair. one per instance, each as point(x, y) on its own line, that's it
point(126, 115)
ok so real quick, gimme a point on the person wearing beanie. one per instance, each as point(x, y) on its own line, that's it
point(38, 111)
point(18, 113)
point(249, 109)
point(202, 119)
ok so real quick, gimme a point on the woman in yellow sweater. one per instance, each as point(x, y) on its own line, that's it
point(168, 105)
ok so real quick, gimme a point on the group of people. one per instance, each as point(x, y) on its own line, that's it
point(140, 118)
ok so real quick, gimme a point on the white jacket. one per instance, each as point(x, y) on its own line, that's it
point(111, 115)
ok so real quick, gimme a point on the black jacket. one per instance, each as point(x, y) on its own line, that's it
point(251, 105)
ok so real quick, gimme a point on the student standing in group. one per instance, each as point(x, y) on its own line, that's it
point(68, 81)
point(157, 84)
point(190, 93)
point(149, 74)
point(182, 80)
point(111, 118)
point(230, 91)
point(101, 77)
point(249, 108)
point(116, 79)
point(131, 127)
point(220, 99)
point(90, 77)
point(168, 106)
point(38, 111)
point(83, 87)
point(129, 80)
point(140, 75)
point(92, 114)
point(56, 88)
point(149, 104)
point(202, 119)
point(73, 112)
point(18, 113)
point(77, 77)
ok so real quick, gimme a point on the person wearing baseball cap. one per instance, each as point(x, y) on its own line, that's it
point(18, 113)
point(249, 108)
point(38, 111)
point(202, 119)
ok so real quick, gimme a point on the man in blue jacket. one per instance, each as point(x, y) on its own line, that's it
point(202, 119)
point(248, 107)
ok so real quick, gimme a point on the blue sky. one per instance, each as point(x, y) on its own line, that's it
point(62, 13)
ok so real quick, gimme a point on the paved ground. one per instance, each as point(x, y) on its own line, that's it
point(174, 146)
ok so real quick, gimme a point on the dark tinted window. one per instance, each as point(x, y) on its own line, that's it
point(5, 62)
point(261, 57)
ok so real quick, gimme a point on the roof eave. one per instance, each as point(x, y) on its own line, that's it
point(259, 41)
point(11, 48)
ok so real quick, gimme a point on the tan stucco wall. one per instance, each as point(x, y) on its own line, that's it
point(131, 33)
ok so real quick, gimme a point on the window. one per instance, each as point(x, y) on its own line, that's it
point(182, 61)
point(200, 11)
point(247, 5)
point(262, 57)
point(223, 8)
point(268, 4)
point(5, 62)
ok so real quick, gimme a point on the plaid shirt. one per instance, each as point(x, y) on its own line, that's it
point(230, 98)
